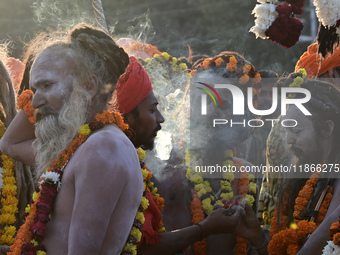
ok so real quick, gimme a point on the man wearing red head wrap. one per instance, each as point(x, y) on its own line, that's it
point(135, 99)
point(318, 67)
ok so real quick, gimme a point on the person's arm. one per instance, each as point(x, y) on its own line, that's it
point(17, 141)
point(171, 242)
point(250, 228)
point(108, 188)
point(318, 240)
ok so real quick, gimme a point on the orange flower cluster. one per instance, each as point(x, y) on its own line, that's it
point(206, 63)
point(232, 65)
point(24, 234)
point(111, 117)
point(334, 232)
point(287, 241)
point(219, 62)
point(25, 103)
point(148, 48)
point(305, 195)
point(197, 216)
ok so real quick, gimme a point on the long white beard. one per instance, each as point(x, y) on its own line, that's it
point(56, 131)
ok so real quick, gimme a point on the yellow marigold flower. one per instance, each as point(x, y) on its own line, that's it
point(10, 209)
point(9, 190)
point(7, 219)
point(251, 177)
point(8, 164)
point(156, 56)
point(161, 229)
point(130, 247)
point(165, 55)
point(227, 196)
point(155, 189)
point(141, 154)
point(144, 173)
point(297, 82)
point(144, 203)
point(228, 163)
point(293, 225)
point(229, 153)
point(140, 217)
point(9, 230)
point(303, 72)
point(219, 202)
point(10, 200)
point(41, 253)
point(206, 63)
point(6, 239)
point(34, 242)
point(34, 196)
point(28, 209)
point(250, 199)
point(228, 175)
point(183, 66)
point(9, 180)
point(199, 186)
point(226, 186)
point(147, 60)
point(218, 62)
point(195, 178)
point(174, 60)
point(206, 204)
point(244, 79)
point(252, 187)
point(144, 187)
point(201, 192)
point(136, 234)
point(85, 129)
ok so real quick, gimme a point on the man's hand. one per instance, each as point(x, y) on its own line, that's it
point(222, 220)
point(249, 227)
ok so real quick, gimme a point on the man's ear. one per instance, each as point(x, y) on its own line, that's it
point(93, 85)
point(327, 128)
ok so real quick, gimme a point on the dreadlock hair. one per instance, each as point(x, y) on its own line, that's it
point(95, 52)
point(324, 105)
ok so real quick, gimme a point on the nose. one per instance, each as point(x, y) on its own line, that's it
point(160, 118)
point(38, 100)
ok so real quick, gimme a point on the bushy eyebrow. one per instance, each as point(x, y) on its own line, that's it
point(40, 83)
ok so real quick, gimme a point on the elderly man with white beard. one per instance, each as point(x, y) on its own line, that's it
point(91, 185)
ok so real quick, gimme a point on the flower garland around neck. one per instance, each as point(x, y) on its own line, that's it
point(284, 236)
point(333, 246)
point(31, 234)
point(9, 202)
point(203, 199)
point(135, 235)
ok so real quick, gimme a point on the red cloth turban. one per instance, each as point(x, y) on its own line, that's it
point(132, 87)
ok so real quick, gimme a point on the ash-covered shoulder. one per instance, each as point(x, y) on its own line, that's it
point(109, 148)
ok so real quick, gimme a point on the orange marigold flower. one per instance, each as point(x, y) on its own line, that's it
point(293, 249)
point(193, 73)
point(256, 79)
point(219, 62)
point(244, 79)
point(206, 63)
point(246, 69)
point(336, 238)
point(232, 65)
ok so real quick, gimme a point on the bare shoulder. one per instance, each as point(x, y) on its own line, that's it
point(108, 150)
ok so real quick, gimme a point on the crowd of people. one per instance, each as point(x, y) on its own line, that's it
point(80, 173)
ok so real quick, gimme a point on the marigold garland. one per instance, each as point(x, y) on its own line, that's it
point(31, 233)
point(136, 232)
point(9, 202)
point(285, 239)
point(203, 200)
point(25, 103)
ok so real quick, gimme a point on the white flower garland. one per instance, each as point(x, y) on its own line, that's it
point(52, 178)
point(265, 14)
point(331, 249)
point(327, 11)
